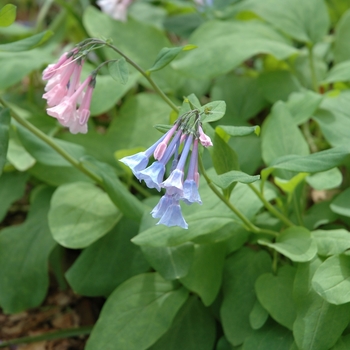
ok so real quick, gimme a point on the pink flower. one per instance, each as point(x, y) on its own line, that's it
point(203, 138)
point(117, 9)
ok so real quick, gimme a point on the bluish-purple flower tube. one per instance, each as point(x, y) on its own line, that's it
point(190, 187)
point(174, 183)
point(139, 161)
point(153, 175)
point(173, 216)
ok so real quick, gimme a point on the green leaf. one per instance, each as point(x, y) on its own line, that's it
point(333, 118)
point(27, 43)
point(343, 343)
point(258, 316)
point(24, 253)
point(128, 130)
point(275, 295)
point(45, 154)
point(240, 130)
point(289, 186)
point(339, 72)
point(125, 201)
point(319, 324)
point(166, 55)
point(105, 264)
point(215, 50)
point(223, 156)
point(332, 242)
point(271, 336)
point(313, 163)
point(243, 96)
point(341, 205)
point(295, 243)
point(332, 280)
point(226, 179)
point(193, 328)
point(56, 176)
point(108, 92)
point(213, 111)
point(240, 273)
point(170, 262)
point(342, 30)
point(7, 15)
point(280, 136)
point(303, 21)
point(12, 187)
point(302, 105)
point(144, 302)
point(325, 180)
point(81, 213)
point(278, 85)
point(5, 119)
point(319, 214)
point(119, 70)
point(15, 67)
point(205, 275)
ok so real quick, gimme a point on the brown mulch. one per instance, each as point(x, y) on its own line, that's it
point(61, 310)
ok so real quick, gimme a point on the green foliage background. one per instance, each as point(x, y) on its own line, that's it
point(283, 65)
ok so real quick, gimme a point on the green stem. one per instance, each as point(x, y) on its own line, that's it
point(65, 333)
point(312, 67)
point(52, 144)
point(270, 207)
point(42, 14)
point(309, 138)
point(144, 73)
point(249, 226)
point(297, 210)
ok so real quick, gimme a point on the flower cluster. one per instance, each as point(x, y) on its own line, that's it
point(117, 9)
point(67, 98)
point(186, 133)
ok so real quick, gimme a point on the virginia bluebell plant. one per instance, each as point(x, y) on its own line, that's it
point(186, 132)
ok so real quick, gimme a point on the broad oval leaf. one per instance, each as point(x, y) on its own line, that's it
point(81, 213)
point(295, 243)
point(24, 253)
point(332, 280)
point(325, 180)
point(144, 302)
point(275, 295)
point(7, 15)
point(339, 72)
point(171, 262)
point(331, 242)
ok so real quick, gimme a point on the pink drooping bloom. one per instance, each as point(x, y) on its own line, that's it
point(68, 99)
point(117, 9)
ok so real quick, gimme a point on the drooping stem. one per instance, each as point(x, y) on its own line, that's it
point(248, 225)
point(270, 207)
point(65, 333)
point(52, 144)
point(143, 72)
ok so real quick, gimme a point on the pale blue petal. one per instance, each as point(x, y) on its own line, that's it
point(173, 217)
point(153, 175)
point(190, 192)
point(136, 162)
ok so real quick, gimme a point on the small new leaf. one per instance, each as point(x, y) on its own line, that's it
point(119, 70)
point(226, 179)
point(213, 111)
point(241, 130)
point(166, 55)
point(7, 15)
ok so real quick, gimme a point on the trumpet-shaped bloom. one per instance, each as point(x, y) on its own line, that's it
point(117, 9)
point(173, 216)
